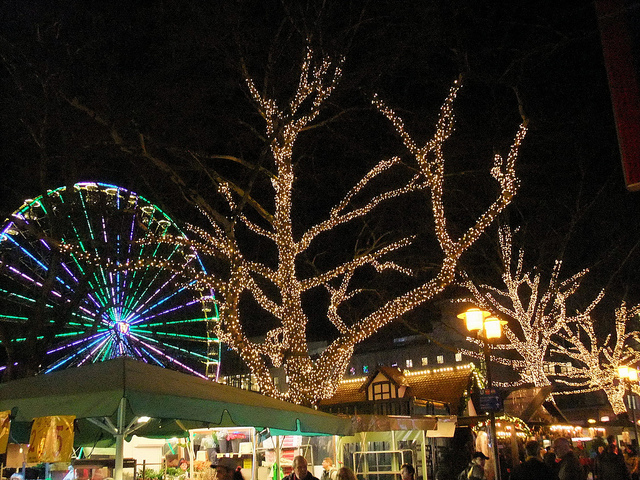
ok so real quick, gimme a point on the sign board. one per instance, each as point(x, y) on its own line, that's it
point(490, 401)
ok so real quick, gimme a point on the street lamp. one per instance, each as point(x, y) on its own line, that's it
point(486, 327)
point(630, 375)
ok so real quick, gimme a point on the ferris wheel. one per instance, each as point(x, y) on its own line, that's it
point(69, 311)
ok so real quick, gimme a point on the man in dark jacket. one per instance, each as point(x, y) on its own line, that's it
point(299, 470)
point(569, 467)
point(611, 466)
point(533, 467)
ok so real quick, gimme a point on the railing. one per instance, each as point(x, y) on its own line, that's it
point(381, 464)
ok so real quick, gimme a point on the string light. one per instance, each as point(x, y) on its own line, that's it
point(541, 331)
point(285, 346)
point(536, 312)
point(598, 363)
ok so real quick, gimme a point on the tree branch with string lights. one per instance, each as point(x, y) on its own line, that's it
point(595, 364)
point(278, 285)
point(535, 311)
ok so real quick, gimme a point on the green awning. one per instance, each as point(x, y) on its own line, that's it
point(175, 401)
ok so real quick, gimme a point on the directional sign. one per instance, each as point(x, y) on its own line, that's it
point(490, 401)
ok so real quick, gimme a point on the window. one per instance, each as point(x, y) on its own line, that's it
point(425, 361)
point(365, 369)
point(381, 390)
point(352, 371)
point(408, 363)
point(458, 357)
point(440, 358)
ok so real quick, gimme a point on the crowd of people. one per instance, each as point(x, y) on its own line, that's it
point(563, 461)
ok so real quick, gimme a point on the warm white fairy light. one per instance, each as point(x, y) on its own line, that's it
point(597, 362)
point(535, 311)
point(285, 346)
point(428, 371)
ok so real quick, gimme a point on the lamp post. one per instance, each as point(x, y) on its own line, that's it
point(486, 327)
point(629, 375)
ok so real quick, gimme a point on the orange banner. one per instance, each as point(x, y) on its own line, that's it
point(51, 439)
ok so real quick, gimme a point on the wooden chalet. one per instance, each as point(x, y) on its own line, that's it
point(389, 391)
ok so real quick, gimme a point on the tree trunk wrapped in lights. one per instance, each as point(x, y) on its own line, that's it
point(535, 311)
point(278, 287)
point(597, 363)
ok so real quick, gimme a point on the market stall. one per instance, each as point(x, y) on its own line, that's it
point(124, 396)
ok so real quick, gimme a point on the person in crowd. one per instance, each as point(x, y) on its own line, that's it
point(549, 458)
point(631, 460)
point(183, 465)
point(610, 465)
point(407, 472)
point(475, 469)
point(237, 473)
point(225, 468)
point(329, 472)
point(568, 468)
point(299, 470)
point(533, 468)
point(345, 473)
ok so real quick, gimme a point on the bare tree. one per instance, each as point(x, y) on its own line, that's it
point(535, 311)
point(286, 345)
point(279, 284)
point(595, 364)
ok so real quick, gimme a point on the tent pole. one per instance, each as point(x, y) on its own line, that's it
point(423, 454)
point(117, 474)
point(278, 453)
point(192, 453)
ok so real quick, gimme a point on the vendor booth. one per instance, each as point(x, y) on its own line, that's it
point(123, 396)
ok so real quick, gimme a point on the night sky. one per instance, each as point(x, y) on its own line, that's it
point(173, 72)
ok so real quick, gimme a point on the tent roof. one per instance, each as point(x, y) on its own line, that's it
point(96, 390)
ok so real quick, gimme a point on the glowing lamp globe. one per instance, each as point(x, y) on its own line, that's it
point(632, 375)
point(492, 328)
point(623, 371)
point(474, 318)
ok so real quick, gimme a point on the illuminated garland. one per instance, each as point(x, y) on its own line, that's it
point(285, 346)
point(519, 424)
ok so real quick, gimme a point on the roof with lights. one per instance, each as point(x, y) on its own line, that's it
point(446, 385)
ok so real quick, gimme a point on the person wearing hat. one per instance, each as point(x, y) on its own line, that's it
point(225, 468)
point(475, 469)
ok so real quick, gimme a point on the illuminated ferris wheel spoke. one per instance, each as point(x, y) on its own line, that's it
point(140, 332)
point(170, 311)
point(160, 302)
point(101, 309)
point(83, 347)
point(174, 360)
point(148, 287)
